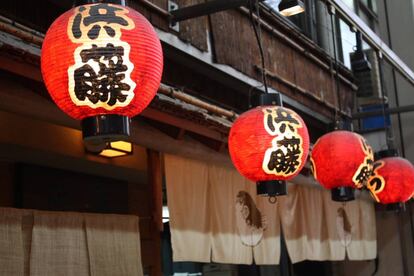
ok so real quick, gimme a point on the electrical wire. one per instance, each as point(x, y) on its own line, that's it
point(254, 4)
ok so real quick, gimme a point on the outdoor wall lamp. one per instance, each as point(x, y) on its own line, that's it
point(117, 149)
point(109, 149)
point(291, 7)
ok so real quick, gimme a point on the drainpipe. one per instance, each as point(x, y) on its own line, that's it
point(397, 102)
point(322, 23)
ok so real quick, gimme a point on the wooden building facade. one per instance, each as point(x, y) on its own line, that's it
point(212, 70)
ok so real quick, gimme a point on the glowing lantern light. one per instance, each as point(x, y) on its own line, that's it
point(102, 64)
point(268, 145)
point(392, 180)
point(342, 161)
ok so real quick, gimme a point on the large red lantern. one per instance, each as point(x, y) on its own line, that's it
point(342, 161)
point(268, 145)
point(102, 63)
point(392, 180)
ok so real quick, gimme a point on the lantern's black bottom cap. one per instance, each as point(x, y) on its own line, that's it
point(385, 153)
point(271, 188)
point(105, 128)
point(395, 207)
point(343, 194)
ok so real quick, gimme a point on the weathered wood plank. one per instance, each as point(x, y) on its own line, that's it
point(155, 19)
point(235, 45)
point(194, 30)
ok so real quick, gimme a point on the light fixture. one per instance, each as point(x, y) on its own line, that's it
point(109, 149)
point(116, 149)
point(291, 7)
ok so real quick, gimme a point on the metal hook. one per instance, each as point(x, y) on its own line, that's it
point(272, 199)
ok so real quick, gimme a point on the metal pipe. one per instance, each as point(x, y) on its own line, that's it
point(394, 77)
point(389, 133)
point(337, 84)
point(387, 111)
point(206, 8)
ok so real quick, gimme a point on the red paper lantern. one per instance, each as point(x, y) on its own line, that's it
point(101, 59)
point(392, 180)
point(269, 143)
point(341, 159)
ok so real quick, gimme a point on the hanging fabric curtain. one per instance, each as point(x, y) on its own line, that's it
point(12, 253)
point(308, 227)
point(58, 244)
point(236, 227)
point(317, 228)
point(55, 243)
point(218, 211)
point(187, 202)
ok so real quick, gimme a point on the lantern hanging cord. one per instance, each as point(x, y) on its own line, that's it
point(331, 10)
point(254, 4)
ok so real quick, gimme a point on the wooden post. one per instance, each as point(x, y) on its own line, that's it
point(155, 188)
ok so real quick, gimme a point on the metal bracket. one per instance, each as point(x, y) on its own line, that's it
point(387, 111)
point(172, 6)
point(206, 9)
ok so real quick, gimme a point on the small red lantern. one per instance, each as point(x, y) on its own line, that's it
point(102, 63)
point(341, 161)
point(268, 144)
point(392, 180)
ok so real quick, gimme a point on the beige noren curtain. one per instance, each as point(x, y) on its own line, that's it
point(63, 243)
point(216, 216)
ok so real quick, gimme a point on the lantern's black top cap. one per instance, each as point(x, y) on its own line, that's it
point(271, 188)
point(385, 153)
point(85, 2)
point(266, 99)
point(343, 194)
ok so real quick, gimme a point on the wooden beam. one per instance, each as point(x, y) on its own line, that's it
point(20, 68)
point(155, 181)
point(156, 115)
point(155, 189)
point(180, 134)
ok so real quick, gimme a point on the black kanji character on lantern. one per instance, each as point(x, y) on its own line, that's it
point(289, 162)
point(283, 120)
point(107, 82)
point(363, 175)
point(375, 184)
point(100, 13)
